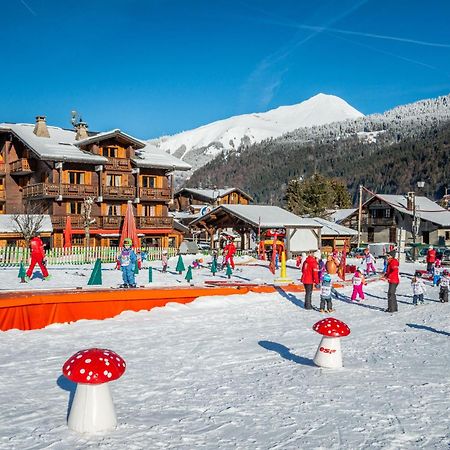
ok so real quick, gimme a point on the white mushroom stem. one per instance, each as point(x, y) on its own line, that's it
point(329, 353)
point(92, 409)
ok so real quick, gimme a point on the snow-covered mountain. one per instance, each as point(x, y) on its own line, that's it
point(199, 146)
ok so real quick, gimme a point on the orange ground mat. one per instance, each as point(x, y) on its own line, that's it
point(30, 310)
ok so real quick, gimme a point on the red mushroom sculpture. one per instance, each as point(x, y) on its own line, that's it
point(92, 408)
point(329, 352)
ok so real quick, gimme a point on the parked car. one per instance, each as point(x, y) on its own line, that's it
point(357, 252)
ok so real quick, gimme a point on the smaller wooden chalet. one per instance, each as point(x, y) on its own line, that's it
point(251, 221)
point(383, 216)
point(335, 236)
point(9, 230)
point(194, 200)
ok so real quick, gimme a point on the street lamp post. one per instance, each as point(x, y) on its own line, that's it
point(416, 221)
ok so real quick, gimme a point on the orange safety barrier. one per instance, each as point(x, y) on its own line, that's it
point(37, 309)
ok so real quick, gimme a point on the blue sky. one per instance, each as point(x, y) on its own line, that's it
point(161, 67)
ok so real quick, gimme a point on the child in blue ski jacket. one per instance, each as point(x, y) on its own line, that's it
point(325, 294)
point(127, 261)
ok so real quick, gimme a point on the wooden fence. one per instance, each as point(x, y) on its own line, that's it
point(13, 256)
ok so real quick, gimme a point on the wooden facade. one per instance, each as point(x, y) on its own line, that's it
point(32, 183)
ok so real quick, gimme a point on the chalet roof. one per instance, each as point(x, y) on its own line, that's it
point(150, 156)
point(7, 224)
point(116, 133)
point(62, 146)
point(339, 215)
point(212, 194)
point(58, 147)
point(264, 216)
point(333, 229)
point(426, 209)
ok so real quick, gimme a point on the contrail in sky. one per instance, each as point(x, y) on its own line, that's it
point(24, 3)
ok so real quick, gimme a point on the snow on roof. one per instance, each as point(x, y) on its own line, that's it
point(7, 224)
point(150, 156)
point(339, 215)
point(110, 134)
point(265, 216)
point(426, 209)
point(333, 229)
point(213, 194)
point(60, 146)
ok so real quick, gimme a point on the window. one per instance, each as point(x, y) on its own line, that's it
point(2, 184)
point(74, 207)
point(113, 180)
point(2, 208)
point(113, 210)
point(76, 178)
point(148, 181)
point(148, 211)
point(110, 152)
point(447, 235)
point(387, 213)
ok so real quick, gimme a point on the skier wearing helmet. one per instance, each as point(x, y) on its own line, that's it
point(127, 261)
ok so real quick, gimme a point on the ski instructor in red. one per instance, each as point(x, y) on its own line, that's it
point(37, 257)
point(310, 277)
point(229, 251)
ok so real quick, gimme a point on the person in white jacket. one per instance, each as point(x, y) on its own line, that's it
point(418, 289)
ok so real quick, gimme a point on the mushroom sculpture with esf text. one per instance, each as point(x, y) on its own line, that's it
point(92, 408)
point(329, 352)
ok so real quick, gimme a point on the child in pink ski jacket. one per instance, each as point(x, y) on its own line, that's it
point(358, 282)
point(370, 262)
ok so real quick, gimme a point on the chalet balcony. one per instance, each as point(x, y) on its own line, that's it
point(154, 222)
point(54, 190)
point(20, 167)
point(118, 164)
point(119, 192)
point(2, 168)
point(146, 194)
point(59, 222)
point(378, 221)
point(111, 222)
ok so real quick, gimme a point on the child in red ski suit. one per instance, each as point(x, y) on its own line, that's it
point(358, 282)
point(229, 251)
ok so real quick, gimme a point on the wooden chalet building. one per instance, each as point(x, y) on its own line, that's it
point(191, 199)
point(50, 170)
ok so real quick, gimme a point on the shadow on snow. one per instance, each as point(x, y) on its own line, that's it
point(285, 353)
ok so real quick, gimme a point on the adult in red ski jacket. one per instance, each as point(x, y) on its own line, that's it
point(431, 258)
point(310, 277)
point(392, 276)
point(229, 251)
point(37, 256)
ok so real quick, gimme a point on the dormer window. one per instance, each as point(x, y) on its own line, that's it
point(110, 152)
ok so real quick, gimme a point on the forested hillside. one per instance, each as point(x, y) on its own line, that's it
point(386, 153)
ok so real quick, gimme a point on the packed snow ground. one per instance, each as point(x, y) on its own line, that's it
point(237, 372)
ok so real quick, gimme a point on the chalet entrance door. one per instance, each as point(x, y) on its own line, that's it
point(370, 234)
point(392, 234)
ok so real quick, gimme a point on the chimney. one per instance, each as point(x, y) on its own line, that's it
point(81, 131)
point(40, 128)
point(410, 201)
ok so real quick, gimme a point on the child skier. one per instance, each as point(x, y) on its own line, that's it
point(126, 261)
point(444, 285)
point(418, 289)
point(325, 294)
point(358, 282)
point(436, 271)
point(370, 262)
point(164, 261)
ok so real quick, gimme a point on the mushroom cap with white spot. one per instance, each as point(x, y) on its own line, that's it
point(331, 327)
point(94, 366)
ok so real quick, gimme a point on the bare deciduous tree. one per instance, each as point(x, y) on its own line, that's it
point(86, 210)
point(30, 223)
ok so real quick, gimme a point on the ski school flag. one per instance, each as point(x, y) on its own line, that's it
point(341, 270)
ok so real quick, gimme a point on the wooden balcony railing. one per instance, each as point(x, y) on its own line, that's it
point(52, 190)
point(154, 222)
point(378, 221)
point(20, 167)
point(119, 164)
point(111, 222)
point(59, 222)
point(2, 168)
point(154, 194)
point(119, 192)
